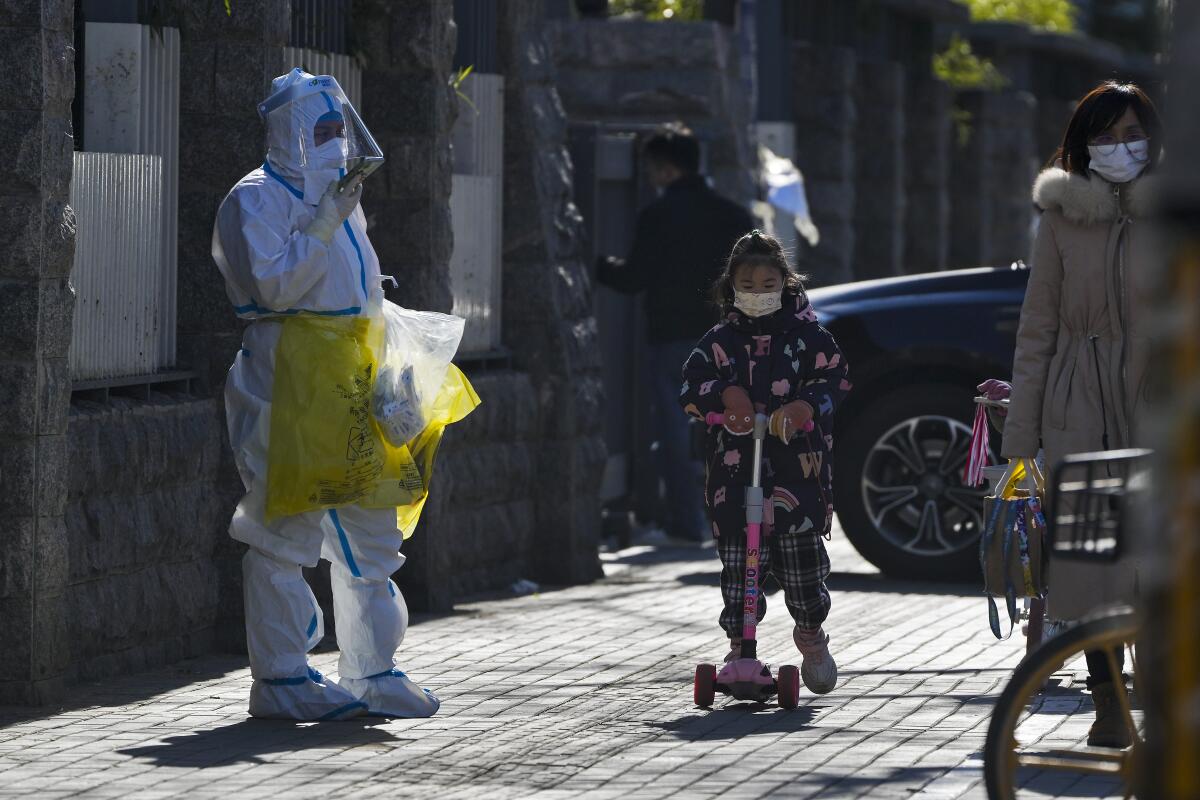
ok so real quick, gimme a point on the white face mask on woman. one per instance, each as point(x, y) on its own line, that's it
point(757, 304)
point(1123, 164)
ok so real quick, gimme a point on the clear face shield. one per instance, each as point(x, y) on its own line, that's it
point(314, 131)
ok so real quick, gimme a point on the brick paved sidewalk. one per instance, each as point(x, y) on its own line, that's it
point(580, 692)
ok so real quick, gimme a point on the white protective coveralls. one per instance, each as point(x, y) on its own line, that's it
point(276, 262)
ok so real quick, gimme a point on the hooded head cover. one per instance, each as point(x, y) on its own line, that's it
point(299, 101)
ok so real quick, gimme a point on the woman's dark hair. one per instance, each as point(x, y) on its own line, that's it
point(1096, 113)
point(753, 249)
point(675, 145)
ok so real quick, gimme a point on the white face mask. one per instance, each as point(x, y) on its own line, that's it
point(332, 153)
point(1123, 164)
point(329, 157)
point(757, 304)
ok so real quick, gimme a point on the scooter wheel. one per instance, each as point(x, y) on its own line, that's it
point(789, 687)
point(705, 687)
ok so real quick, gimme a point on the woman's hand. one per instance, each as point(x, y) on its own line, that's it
point(739, 411)
point(994, 389)
point(790, 419)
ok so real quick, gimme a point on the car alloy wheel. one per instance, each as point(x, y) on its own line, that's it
point(913, 490)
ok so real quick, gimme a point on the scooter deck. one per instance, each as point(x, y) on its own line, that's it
point(747, 679)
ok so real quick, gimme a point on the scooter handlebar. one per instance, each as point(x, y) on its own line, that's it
point(716, 418)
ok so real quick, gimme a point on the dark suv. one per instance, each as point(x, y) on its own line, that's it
point(917, 347)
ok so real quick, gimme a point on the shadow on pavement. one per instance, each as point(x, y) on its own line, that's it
point(853, 582)
point(706, 578)
point(649, 554)
point(127, 689)
point(873, 582)
point(911, 778)
point(1053, 784)
point(738, 720)
point(251, 739)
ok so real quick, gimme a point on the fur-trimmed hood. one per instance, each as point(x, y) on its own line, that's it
point(1089, 201)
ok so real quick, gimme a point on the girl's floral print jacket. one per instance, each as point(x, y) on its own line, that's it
point(778, 358)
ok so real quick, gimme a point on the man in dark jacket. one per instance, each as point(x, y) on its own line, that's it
point(681, 242)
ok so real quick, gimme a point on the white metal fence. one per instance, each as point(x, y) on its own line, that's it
point(118, 279)
point(473, 267)
point(130, 111)
point(476, 207)
point(342, 67)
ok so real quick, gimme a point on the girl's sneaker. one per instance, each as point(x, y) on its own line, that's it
point(818, 669)
point(735, 650)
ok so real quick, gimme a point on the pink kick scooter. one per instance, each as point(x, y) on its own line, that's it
point(747, 678)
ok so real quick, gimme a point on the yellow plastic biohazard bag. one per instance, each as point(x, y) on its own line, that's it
point(456, 400)
point(326, 449)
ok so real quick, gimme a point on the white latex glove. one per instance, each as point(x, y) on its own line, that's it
point(334, 209)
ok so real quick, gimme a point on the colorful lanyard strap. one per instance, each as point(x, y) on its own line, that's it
point(1023, 548)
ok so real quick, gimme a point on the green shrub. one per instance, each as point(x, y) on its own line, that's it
point(1049, 15)
point(962, 69)
point(678, 10)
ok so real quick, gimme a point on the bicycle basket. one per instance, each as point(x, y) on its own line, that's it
point(1092, 494)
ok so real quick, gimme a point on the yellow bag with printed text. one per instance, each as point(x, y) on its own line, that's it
point(326, 449)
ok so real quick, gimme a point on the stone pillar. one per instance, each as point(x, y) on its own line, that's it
point(879, 190)
point(993, 172)
point(1053, 114)
point(927, 146)
point(1013, 162)
point(37, 230)
point(647, 73)
point(548, 321)
point(826, 123)
point(408, 46)
point(408, 50)
point(227, 63)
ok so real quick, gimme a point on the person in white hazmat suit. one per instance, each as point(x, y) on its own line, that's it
point(287, 241)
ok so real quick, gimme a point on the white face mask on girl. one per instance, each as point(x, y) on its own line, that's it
point(1123, 164)
point(757, 304)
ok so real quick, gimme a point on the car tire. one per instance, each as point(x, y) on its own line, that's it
point(925, 414)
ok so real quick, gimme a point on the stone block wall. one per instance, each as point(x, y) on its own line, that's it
point(628, 71)
point(548, 322)
point(826, 117)
point(150, 484)
point(880, 195)
point(409, 106)
point(228, 62)
point(992, 211)
point(495, 514)
point(478, 529)
point(37, 230)
point(890, 188)
point(144, 577)
point(117, 556)
point(927, 141)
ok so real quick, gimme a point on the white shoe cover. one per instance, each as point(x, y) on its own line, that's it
point(310, 698)
point(392, 694)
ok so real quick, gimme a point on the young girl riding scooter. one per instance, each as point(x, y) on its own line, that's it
point(770, 356)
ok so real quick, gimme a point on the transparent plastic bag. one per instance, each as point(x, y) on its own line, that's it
point(418, 347)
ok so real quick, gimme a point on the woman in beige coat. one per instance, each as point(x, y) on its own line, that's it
point(1079, 372)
